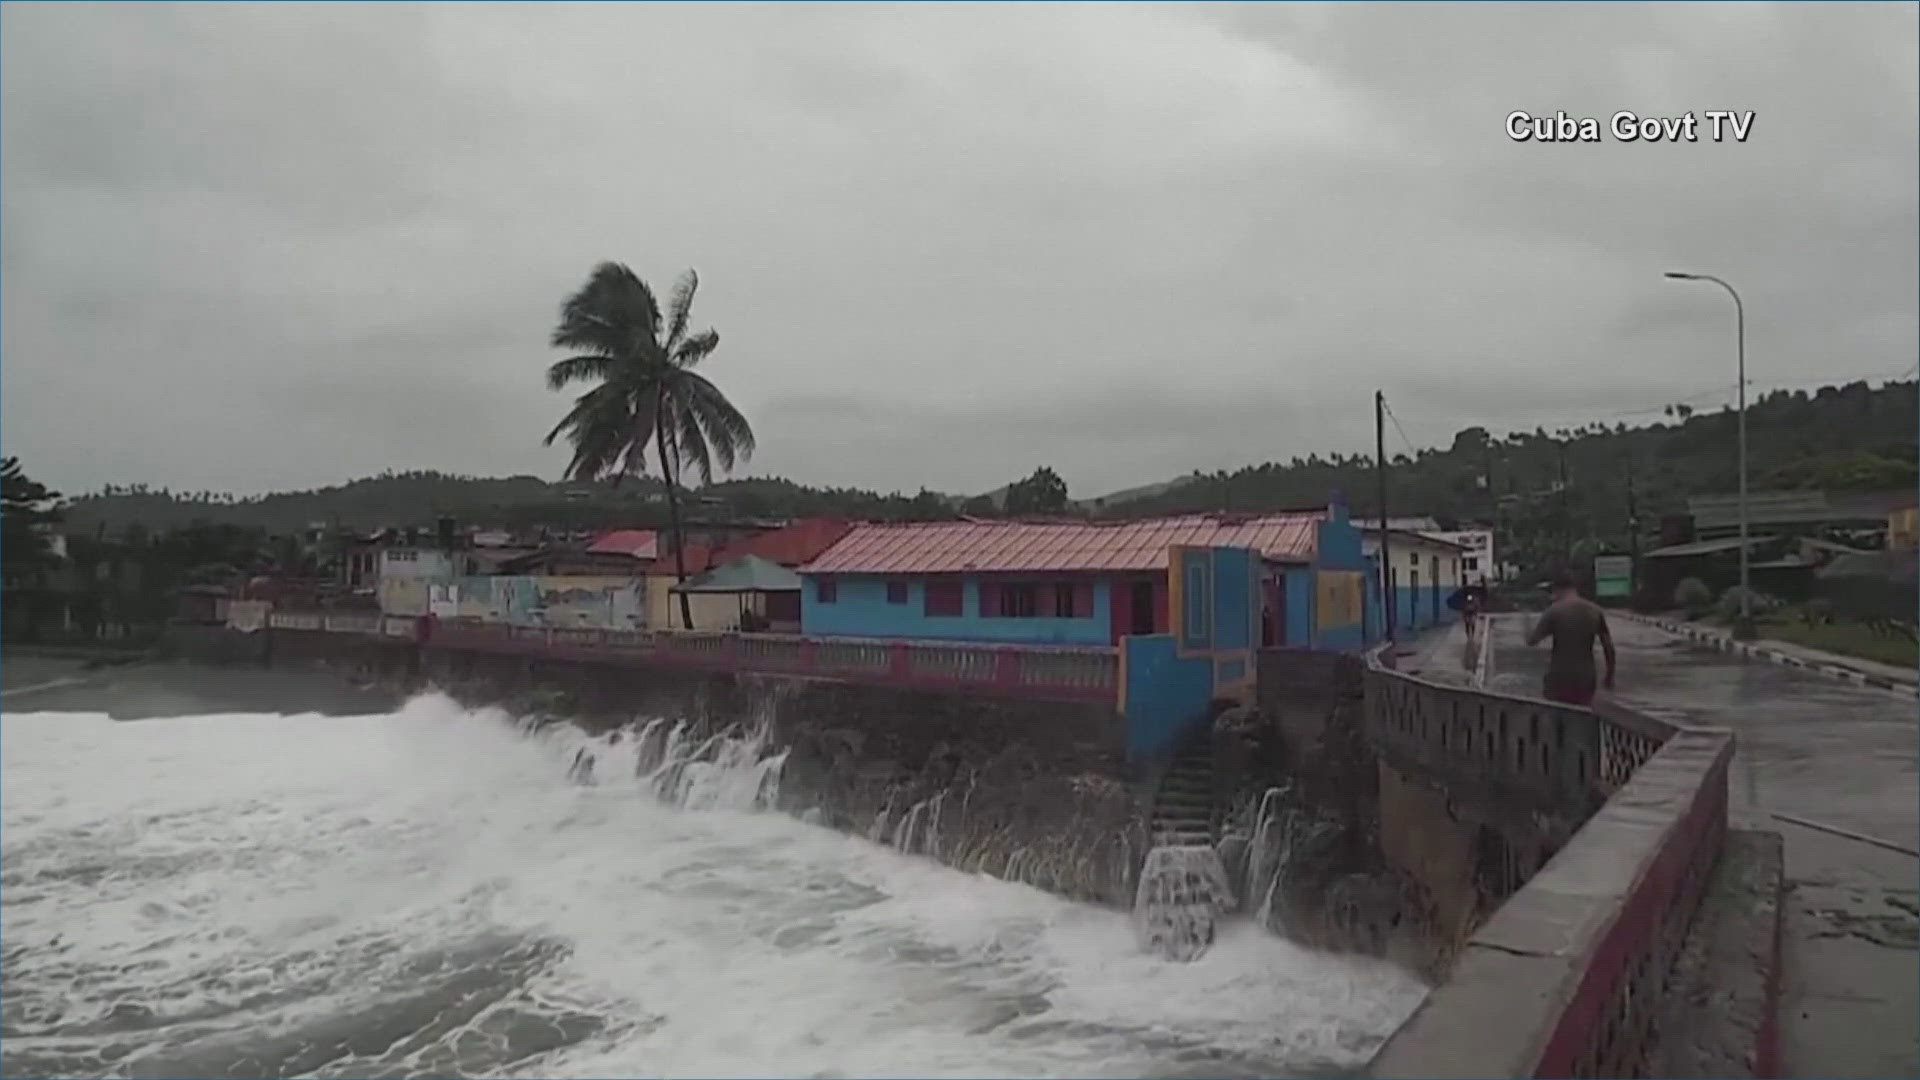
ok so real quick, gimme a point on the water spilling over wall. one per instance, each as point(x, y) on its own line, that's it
point(995, 809)
point(1182, 896)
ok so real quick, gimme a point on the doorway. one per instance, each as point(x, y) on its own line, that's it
point(1141, 608)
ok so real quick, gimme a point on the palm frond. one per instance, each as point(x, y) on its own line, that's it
point(580, 369)
point(690, 442)
point(596, 426)
point(720, 422)
point(613, 314)
point(583, 406)
point(696, 348)
point(639, 436)
point(680, 308)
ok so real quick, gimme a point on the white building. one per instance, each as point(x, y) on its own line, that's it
point(407, 572)
point(1478, 562)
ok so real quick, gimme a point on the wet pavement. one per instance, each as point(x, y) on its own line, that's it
point(1825, 751)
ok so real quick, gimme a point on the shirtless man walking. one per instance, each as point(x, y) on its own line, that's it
point(1573, 623)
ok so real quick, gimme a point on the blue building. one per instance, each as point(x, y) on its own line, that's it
point(1078, 583)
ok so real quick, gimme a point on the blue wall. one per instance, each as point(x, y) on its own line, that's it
point(1413, 609)
point(1299, 599)
point(1236, 574)
point(1166, 694)
point(860, 609)
point(1339, 543)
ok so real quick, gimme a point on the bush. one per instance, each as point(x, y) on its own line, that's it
point(1693, 597)
point(1760, 604)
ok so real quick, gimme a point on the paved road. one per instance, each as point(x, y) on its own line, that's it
point(1819, 749)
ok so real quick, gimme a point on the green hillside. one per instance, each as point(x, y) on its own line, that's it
point(1839, 438)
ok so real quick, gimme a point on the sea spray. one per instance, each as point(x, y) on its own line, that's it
point(425, 894)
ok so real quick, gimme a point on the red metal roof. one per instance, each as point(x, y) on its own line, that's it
point(633, 543)
point(1018, 547)
point(795, 544)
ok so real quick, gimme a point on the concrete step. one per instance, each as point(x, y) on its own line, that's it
point(1186, 839)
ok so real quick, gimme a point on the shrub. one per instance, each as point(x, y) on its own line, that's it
point(1693, 597)
point(1760, 604)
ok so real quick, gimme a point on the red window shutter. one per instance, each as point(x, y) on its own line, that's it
point(1046, 601)
point(989, 600)
point(1083, 601)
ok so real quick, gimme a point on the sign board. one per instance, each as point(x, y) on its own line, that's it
point(1612, 566)
point(1612, 576)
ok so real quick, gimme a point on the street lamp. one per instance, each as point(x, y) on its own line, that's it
point(1743, 624)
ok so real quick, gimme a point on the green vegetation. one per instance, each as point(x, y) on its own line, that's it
point(1564, 494)
point(1693, 597)
point(644, 391)
point(1842, 637)
point(1839, 438)
point(25, 504)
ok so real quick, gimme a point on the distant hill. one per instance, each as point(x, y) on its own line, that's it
point(518, 502)
point(1138, 494)
point(1839, 438)
point(1849, 438)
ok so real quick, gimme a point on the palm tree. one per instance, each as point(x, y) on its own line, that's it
point(648, 391)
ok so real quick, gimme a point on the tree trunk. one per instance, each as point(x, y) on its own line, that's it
point(673, 509)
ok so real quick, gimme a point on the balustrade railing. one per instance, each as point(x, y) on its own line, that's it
point(1036, 671)
point(1579, 956)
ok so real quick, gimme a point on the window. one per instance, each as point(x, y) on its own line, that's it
point(896, 592)
point(825, 590)
point(1468, 563)
point(1018, 602)
point(944, 599)
point(1063, 602)
point(1070, 601)
point(1195, 596)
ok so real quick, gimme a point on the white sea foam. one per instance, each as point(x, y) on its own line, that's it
point(428, 892)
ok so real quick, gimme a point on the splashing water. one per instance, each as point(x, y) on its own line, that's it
point(1282, 832)
point(432, 892)
point(1182, 897)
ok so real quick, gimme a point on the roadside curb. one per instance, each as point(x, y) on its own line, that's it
point(1715, 640)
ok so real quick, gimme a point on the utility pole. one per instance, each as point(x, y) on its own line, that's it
point(1566, 518)
point(1633, 537)
point(1743, 629)
point(1380, 472)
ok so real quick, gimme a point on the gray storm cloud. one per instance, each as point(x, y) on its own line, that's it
point(253, 247)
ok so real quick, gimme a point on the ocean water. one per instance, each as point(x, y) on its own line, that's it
point(430, 892)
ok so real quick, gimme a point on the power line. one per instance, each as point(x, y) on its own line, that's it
point(1408, 443)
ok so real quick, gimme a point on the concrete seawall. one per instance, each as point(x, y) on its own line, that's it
point(1030, 791)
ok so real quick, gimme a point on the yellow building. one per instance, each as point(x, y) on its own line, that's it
point(1903, 528)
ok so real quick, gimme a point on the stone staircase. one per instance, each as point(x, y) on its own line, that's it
point(1183, 807)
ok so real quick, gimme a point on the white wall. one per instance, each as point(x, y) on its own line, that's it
point(1415, 557)
point(1480, 552)
point(422, 563)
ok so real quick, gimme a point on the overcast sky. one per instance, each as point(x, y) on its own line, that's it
point(257, 247)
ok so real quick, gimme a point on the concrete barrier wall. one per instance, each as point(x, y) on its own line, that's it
point(1565, 977)
point(1027, 789)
